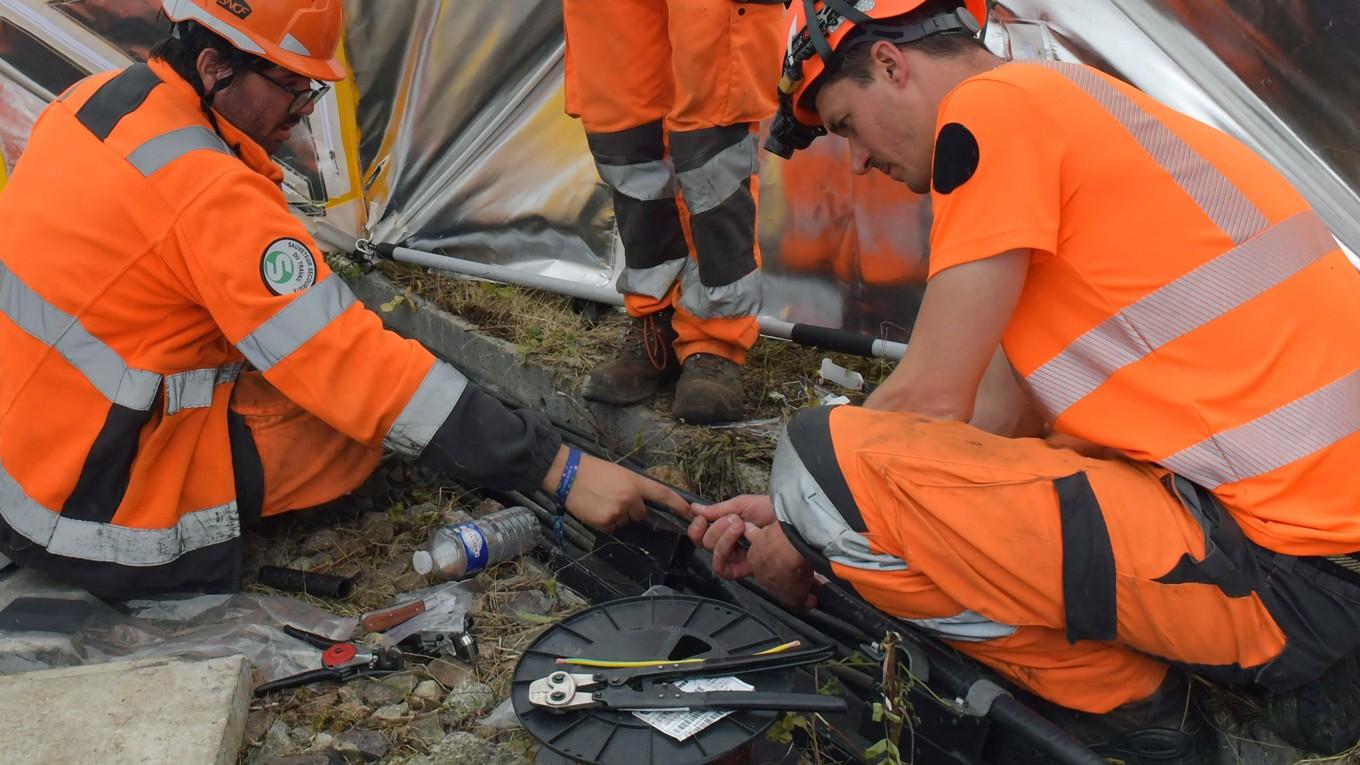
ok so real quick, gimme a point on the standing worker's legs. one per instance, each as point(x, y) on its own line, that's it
point(726, 60)
point(305, 461)
point(1049, 566)
point(618, 82)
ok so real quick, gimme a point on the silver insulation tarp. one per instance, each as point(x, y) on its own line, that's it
point(463, 147)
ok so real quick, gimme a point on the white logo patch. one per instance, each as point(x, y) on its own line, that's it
point(287, 266)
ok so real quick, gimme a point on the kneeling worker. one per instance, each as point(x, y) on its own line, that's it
point(176, 360)
point(1190, 333)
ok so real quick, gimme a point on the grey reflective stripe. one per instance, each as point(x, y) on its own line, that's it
point(800, 501)
point(1223, 202)
point(100, 364)
point(164, 149)
point(710, 184)
point(194, 389)
point(427, 410)
point(740, 298)
point(644, 181)
point(1190, 302)
point(1292, 432)
point(653, 282)
point(965, 627)
point(108, 543)
point(308, 314)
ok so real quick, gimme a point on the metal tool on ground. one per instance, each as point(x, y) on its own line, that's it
point(384, 619)
point(446, 613)
point(340, 662)
point(464, 549)
point(654, 688)
point(647, 629)
point(435, 644)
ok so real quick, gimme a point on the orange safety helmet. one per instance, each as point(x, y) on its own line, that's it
point(812, 46)
point(302, 36)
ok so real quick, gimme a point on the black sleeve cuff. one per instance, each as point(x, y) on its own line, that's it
point(485, 443)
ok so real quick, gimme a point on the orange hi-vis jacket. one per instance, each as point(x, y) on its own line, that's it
point(144, 259)
point(1184, 304)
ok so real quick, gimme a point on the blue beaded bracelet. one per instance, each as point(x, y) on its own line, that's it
point(563, 489)
point(568, 476)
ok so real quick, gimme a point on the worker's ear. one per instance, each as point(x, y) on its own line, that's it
point(212, 68)
point(889, 62)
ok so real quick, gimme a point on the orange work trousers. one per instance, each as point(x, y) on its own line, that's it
point(1078, 579)
point(305, 461)
point(670, 93)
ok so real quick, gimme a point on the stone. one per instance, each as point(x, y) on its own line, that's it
point(429, 690)
point(277, 740)
point(394, 568)
point(427, 729)
point(361, 745)
point(257, 724)
point(325, 540)
point(392, 713)
point(378, 694)
point(322, 742)
point(402, 681)
point(310, 562)
point(151, 711)
point(464, 701)
point(463, 748)
point(451, 674)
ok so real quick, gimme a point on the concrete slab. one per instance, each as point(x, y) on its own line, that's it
point(148, 712)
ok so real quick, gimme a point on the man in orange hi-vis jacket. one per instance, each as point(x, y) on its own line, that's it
point(670, 93)
point(1189, 331)
point(176, 360)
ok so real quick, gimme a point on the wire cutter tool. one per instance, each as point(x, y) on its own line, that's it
point(340, 662)
point(653, 686)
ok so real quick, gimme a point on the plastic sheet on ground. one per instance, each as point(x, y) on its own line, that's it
point(190, 626)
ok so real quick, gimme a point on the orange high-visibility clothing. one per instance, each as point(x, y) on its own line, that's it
point(669, 92)
point(1184, 304)
point(145, 260)
point(1076, 578)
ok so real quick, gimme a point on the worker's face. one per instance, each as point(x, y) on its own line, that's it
point(889, 125)
point(258, 102)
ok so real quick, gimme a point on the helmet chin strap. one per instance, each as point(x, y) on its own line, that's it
point(206, 103)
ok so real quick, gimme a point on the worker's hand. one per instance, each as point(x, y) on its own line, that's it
point(720, 528)
point(779, 567)
point(607, 497)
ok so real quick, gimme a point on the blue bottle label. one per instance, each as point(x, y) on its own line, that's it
point(474, 544)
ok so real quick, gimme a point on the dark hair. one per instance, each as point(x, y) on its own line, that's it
point(852, 60)
point(188, 39)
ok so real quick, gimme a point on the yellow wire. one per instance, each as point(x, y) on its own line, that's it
point(607, 664)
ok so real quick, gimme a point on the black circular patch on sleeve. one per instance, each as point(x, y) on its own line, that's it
point(956, 157)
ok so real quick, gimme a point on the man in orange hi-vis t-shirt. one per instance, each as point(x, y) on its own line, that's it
point(1176, 488)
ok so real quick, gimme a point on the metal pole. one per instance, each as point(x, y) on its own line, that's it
point(838, 340)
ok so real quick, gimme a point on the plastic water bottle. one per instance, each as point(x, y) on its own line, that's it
point(464, 549)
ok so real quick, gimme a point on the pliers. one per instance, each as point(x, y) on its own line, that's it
point(652, 688)
point(340, 662)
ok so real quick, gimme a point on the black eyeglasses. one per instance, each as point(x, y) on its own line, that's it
point(302, 98)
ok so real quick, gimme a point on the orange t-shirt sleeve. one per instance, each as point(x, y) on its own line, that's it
point(998, 160)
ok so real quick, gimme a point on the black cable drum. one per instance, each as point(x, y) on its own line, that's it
point(642, 629)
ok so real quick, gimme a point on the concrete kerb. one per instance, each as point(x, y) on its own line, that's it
point(495, 366)
point(152, 711)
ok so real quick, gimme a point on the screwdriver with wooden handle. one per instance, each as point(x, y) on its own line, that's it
point(386, 618)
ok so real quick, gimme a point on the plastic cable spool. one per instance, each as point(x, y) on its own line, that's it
point(645, 628)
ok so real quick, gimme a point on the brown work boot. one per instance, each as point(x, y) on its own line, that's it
point(647, 358)
point(709, 390)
